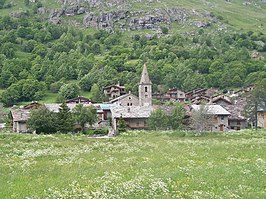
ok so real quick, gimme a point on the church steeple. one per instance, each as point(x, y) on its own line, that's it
point(145, 88)
point(145, 76)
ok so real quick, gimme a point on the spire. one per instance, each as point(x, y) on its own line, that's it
point(145, 76)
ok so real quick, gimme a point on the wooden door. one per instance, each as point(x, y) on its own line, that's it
point(221, 127)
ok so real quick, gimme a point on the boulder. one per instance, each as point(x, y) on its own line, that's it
point(55, 21)
point(41, 10)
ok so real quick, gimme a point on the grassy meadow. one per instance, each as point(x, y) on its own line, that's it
point(135, 164)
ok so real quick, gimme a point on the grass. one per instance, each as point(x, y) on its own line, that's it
point(134, 165)
point(235, 13)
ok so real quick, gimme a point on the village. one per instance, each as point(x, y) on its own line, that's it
point(227, 110)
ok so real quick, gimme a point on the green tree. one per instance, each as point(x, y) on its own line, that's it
point(256, 101)
point(26, 2)
point(177, 117)
point(96, 93)
point(64, 119)
point(83, 115)
point(10, 96)
point(121, 125)
point(68, 91)
point(42, 121)
point(158, 120)
point(2, 2)
point(8, 50)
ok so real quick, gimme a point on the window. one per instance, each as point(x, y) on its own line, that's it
point(129, 98)
point(222, 117)
point(146, 89)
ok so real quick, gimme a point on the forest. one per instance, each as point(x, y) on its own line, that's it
point(37, 57)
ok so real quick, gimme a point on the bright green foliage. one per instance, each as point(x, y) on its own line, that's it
point(97, 94)
point(158, 120)
point(68, 91)
point(8, 50)
point(208, 59)
point(23, 90)
point(83, 115)
point(42, 121)
point(64, 119)
point(177, 117)
point(10, 96)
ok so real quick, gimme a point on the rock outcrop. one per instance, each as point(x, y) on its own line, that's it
point(116, 14)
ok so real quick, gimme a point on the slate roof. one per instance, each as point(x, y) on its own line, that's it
point(105, 106)
point(222, 97)
point(114, 85)
point(236, 109)
point(131, 111)
point(80, 99)
point(122, 97)
point(55, 107)
point(212, 109)
point(20, 115)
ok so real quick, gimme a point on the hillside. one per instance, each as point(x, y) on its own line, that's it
point(178, 16)
point(61, 49)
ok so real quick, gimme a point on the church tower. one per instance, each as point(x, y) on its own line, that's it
point(145, 90)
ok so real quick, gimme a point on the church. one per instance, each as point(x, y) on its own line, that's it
point(134, 110)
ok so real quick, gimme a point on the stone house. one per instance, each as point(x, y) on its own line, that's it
point(236, 120)
point(113, 91)
point(20, 117)
point(195, 93)
point(221, 100)
point(172, 94)
point(220, 116)
point(104, 115)
point(135, 117)
point(200, 100)
point(176, 95)
point(126, 100)
point(19, 120)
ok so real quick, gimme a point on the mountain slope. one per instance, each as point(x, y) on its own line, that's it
point(178, 16)
point(186, 44)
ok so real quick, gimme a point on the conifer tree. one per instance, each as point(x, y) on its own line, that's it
point(64, 119)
